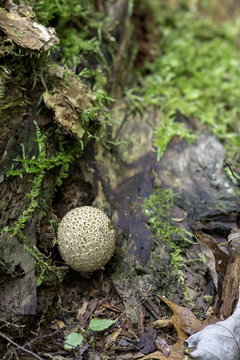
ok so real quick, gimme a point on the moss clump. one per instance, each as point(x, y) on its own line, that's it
point(36, 169)
point(158, 207)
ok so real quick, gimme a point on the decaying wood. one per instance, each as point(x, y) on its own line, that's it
point(18, 279)
point(122, 178)
point(18, 25)
point(18, 297)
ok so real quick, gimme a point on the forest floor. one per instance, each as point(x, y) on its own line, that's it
point(93, 318)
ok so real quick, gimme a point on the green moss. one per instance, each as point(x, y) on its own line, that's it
point(38, 166)
point(82, 29)
point(208, 299)
point(165, 133)
point(36, 169)
point(158, 207)
point(44, 266)
point(197, 71)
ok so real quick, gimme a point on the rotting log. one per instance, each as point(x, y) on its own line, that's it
point(121, 180)
point(18, 297)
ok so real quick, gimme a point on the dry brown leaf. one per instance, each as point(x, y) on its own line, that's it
point(218, 341)
point(81, 311)
point(112, 308)
point(210, 262)
point(110, 340)
point(60, 324)
point(221, 257)
point(162, 345)
point(230, 287)
point(130, 355)
point(184, 321)
point(156, 355)
point(162, 323)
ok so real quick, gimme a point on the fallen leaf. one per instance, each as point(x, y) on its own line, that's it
point(230, 286)
point(185, 323)
point(100, 324)
point(177, 219)
point(234, 243)
point(110, 340)
point(112, 308)
point(73, 340)
point(81, 311)
point(162, 345)
point(60, 324)
point(156, 355)
point(147, 341)
point(162, 323)
point(209, 256)
point(183, 319)
point(221, 257)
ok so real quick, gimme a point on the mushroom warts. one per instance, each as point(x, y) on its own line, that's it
point(86, 239)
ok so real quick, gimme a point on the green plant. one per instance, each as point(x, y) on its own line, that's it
point(75, 339)
point(84, 35)
point(44, 265)
point(81, 29)
point(100, 324)
point(72, 340)
point(4, 76)
point(208, 299)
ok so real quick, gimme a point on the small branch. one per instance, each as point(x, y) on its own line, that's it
point(19, 346)
point(32, 341)
point(152, 308)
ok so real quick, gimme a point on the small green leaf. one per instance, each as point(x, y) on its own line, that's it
point(74, 339)
point(100, 324)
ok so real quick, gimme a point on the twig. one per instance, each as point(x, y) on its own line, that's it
point(152, 308)
point(43, 336)
point(19, 346)
point(33, 340)
point(54, 355)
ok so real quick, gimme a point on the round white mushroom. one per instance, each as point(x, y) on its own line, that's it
point(86, 239)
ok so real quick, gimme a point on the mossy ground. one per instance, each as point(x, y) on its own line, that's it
point(196, 72)
point(158, 209)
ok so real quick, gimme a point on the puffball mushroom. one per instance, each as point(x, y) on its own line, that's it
point(86, 239)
